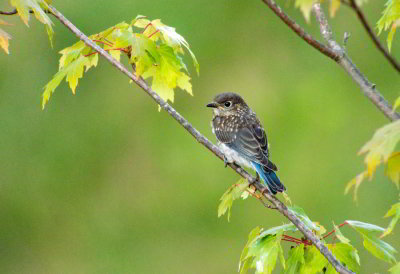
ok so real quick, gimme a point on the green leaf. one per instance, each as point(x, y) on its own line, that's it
point(295, 261)
point(390, 18)
point(314, 261)
point(73, 71)
point(243, 257)
point(340, 236)
point(230, 195)
point(300, 213)
point(396, 104)
point(395, 212)
point(265, 252)
point(375, 246)
point(305, 7)
point(279, 229)
point(347, 254)
point(167, 35)
point(356, 182)
point(395, 269)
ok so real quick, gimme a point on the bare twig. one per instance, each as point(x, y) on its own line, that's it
point(205, 142)
point(300, 31)
point(371, 34)
point(369, 89)
point(337, 53)
point(15, 12)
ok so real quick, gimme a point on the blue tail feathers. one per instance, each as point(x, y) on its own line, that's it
point(269, 177)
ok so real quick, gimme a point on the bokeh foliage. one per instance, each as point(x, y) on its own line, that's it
point(103, 183)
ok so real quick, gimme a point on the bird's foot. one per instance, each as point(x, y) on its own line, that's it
point(226, 162)
point(256, 180)
point(265, 190)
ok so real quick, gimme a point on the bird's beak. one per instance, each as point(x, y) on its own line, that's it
point(212, 105)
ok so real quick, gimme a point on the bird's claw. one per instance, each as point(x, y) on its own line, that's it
point(226, 162)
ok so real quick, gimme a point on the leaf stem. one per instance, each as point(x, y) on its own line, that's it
point(153, 33)
point(372, 35)
point(95, 52)
point(104, 43)
point(333, 231)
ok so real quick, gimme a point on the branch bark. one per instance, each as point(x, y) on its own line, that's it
point(205, 142)
point(338, 54)
point(371, 34)
point(369, 89)
point(300, 31)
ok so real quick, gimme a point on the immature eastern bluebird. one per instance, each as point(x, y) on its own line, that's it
point(242, 138)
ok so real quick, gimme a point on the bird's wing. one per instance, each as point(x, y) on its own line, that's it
point(250, 141)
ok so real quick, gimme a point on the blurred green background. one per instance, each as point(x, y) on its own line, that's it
point(101, 182)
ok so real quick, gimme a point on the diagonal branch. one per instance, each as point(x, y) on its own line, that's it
point(204, 141)
point(367, 27)
point(300, 31)
point(337, 53)
point(369, 89)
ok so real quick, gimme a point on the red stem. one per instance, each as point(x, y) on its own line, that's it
point(295, 240)
point(149, 24)
point(104, 43)
point(121, 49)
point(153, 33)
point(333, 231)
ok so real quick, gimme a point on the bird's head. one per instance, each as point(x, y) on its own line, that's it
point(228, 103)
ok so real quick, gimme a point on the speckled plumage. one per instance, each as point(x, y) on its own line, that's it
point(242, 138)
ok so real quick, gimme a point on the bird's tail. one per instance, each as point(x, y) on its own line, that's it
point(272, 181)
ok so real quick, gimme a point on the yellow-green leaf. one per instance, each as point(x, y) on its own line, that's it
point(314, 261)
point(334, 7)
point(347, 254)
point(356, 182)
point(305, 7)
point(73, 71)
point(381, 146)
point(390, 18)
point(4, 40)
point(393, 168)
point(38, 7)
point(395, 269)
point(395, 212)
point(372, 243)
point(233, 193)
point(295, 261)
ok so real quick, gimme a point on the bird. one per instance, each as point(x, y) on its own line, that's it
point(242, 138)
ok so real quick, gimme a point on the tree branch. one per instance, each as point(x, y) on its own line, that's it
point(369, 89)
point(204, 141)
point(367, 27)
point(300, 31)
point(337, 53)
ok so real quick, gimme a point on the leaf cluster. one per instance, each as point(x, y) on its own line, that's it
point(24, 8)
point(155, 52)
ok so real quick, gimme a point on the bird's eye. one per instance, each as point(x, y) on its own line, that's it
point(227, 104)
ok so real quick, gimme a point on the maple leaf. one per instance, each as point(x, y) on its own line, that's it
point(73, 71)
point(38, 7)
point(390, 19)
point(4, 38)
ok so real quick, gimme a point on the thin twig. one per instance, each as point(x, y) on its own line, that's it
point(205, 142)
point(15, 12)
point(335, 52)
point(371, 34)
point(300, 31)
